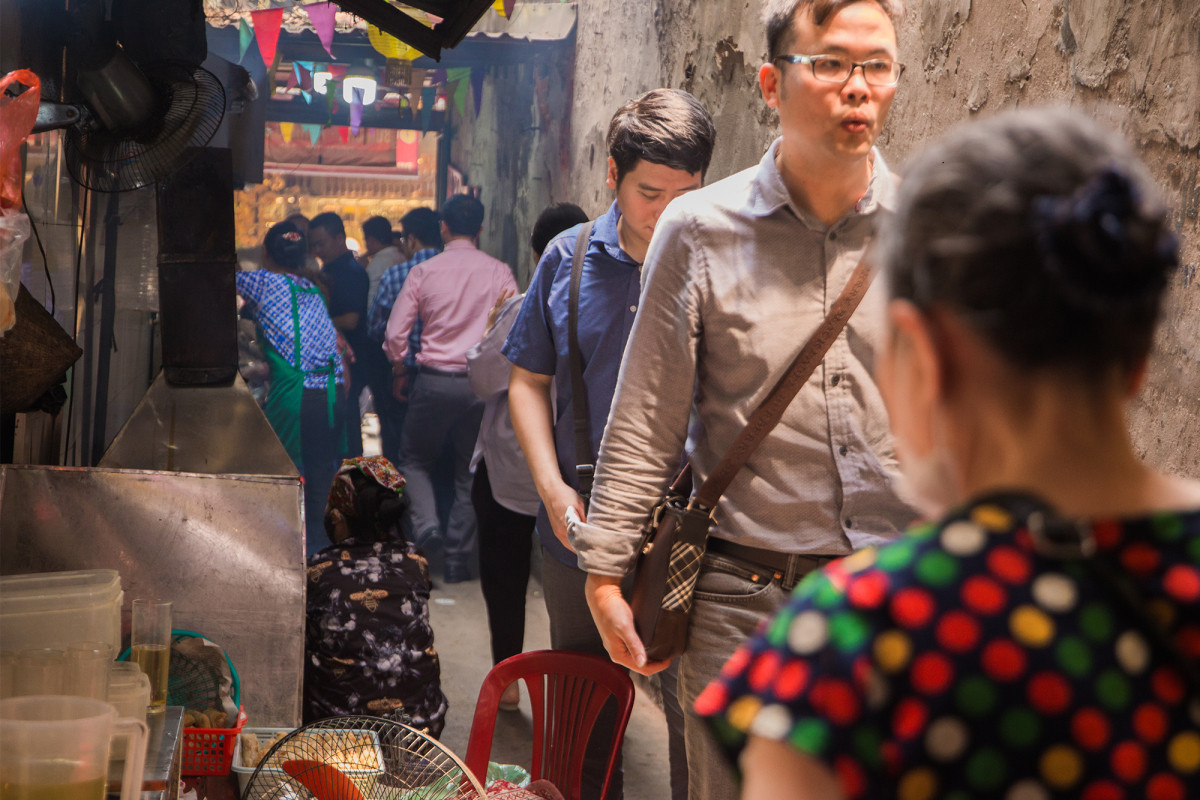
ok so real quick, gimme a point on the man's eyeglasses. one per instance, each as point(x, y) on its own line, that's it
point(835, 69)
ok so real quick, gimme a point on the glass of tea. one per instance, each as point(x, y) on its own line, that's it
point(150, 647)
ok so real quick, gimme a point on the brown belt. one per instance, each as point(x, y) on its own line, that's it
point(787, 568)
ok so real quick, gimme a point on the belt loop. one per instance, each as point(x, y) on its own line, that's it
point(789, 575)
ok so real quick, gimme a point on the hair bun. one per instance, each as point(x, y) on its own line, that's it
point(1101, 246)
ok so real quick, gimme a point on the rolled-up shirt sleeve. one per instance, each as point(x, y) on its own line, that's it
point(648, 422)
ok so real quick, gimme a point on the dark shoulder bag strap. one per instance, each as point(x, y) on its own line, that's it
point(585, 467)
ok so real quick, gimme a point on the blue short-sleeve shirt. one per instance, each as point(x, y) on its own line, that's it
point(608, 301)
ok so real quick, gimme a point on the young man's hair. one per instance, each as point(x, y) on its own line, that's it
point(663, 126)
point(553, 221)
point(423, 224)
point(778, 16)
point(379, 229)
point(463, 215)
point(329, 222)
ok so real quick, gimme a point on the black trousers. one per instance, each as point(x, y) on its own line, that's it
point(505, 546)
point(319, 449)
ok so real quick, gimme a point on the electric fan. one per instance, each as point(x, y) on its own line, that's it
point(360, 758)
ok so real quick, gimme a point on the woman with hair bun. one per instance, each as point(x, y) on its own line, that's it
point(300, 345)
point(1041, 639)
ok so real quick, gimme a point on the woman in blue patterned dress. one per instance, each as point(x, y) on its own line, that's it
point(300, 345)
point(1042, 640)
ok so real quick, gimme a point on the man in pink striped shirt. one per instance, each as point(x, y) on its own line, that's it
point(451, 293)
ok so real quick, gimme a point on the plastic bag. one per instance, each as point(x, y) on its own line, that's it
point(17, 116)
point(14, 230)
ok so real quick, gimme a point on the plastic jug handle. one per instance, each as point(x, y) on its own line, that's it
point(135, 755)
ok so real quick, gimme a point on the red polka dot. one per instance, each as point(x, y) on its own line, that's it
point(1049, 693)
point(1009, 565)
point(714, 697)
point(763, 671)
point(1150, 723)
point(1168, 685)
point(1183, 583)
point(1164, 787)
point(912, 607)
point(1140, 559)
point(958, 632)
point(1103, 790)
point(908, 720)
point(1187, 639)
point(860, 672)
point(736, 663)
point(1129, 761)
point(893, 757)
point(869, 590)
point(792, 680)
point(1090, 728)
point(931, 673)
point(1003, 660)
point(1107, 534)
point(983, 595)
point(836, 700)
point(850, 776)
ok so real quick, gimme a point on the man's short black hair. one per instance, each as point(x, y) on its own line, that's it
point(423, 224)
point(329, 222)
point(463, 215)
point(379, 229)
point(778, 16)
point(553, 221)
point(663, 126)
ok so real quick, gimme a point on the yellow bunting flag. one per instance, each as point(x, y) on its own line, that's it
point(286, 129)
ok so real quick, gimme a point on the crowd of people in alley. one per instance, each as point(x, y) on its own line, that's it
point(945, 571)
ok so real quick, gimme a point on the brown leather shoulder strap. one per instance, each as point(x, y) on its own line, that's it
point(768, 414)
point(584, 463)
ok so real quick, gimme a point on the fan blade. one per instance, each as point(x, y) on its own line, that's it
point(324, 781)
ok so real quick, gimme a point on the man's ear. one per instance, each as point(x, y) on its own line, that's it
point(611, 179)
point(1137, 378)
point(768, 83)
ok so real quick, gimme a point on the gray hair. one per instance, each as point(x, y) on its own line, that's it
point(1043, 232)
point(778, 15)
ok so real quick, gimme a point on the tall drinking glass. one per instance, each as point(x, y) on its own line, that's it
point(151, 647)
point(39, 670)
point(88, 665)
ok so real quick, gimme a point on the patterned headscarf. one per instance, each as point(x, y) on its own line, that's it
point(367, 492)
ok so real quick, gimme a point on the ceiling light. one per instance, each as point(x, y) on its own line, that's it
point(361, 78)
point(320, 81)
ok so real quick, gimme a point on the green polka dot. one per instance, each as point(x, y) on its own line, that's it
point(937, 569)
point(923, 532)
point(1096, 622)
point(726, 733)
point(975, 696)
point(848, 631)
point(1019, 727)
point(957, 796)
point(810, 735)
point(868, 746)
point(810, 585)
point(896, 555)
point(1113, 690)
point(827, 596)
point(1167, 527)
point(778, 632)
point(1193, 549)
point(987, 770)
point(1074, 657)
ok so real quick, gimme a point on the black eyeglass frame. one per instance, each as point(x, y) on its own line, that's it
point(812, 61)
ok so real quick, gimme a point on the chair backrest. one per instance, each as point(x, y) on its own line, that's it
point(566, 692)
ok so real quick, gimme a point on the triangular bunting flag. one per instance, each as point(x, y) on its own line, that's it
point(508, 7)
point(414, 88)
point(293, 81)
point(303, 76)
point(286, 128)
point(245, 37)
point(477, 76)
point(266, 31)
point(313, 130)
point(356, 109)
point(344, 134)
point(457, 73)
point(307, 95)
point(458, 90)
point(322, 17)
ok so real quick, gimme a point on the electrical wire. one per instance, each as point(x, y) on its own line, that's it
point(45, 263)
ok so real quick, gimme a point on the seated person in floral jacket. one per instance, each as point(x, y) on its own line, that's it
point(368, 643)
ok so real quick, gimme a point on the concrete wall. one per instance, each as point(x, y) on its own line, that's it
point(1134, 64)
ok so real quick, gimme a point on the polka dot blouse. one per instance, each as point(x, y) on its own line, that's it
point(960, 663)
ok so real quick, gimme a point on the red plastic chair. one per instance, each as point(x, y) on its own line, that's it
point(566, 691)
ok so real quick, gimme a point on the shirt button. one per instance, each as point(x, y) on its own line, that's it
point(849, 522)
point(833, 236)
point(835, 380)
point(633, 308)
point(843, 450)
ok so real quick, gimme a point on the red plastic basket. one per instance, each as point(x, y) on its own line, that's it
point(209, 751)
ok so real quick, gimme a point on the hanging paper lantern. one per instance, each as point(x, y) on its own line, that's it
point(390, 46)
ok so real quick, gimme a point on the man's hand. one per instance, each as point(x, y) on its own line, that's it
point(400, 385)
point(558, 499)
point(494, 311)
point(614, 620)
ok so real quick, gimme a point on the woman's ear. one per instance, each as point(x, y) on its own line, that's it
point(914, 375)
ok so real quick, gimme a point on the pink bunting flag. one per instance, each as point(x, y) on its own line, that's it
point(344, 133)
point(356, 109)
point(508, 8)
point(266, 31)
point(322, 17)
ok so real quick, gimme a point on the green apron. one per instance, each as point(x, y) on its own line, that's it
point(287, 384)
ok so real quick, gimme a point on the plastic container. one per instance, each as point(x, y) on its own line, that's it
point(54, 609)
point(364, 778)
point(209, 751)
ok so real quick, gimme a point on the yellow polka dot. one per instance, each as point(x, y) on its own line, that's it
point(893, 649)
point(1031, 626)
point(1061, 766)
point(1184, 752)
point(742, 712)
point(859, 560)
point(918, 784)
point(992, 518)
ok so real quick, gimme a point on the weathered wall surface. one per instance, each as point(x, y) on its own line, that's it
point(1134, 64)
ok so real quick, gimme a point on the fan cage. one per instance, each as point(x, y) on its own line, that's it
point(383, 759)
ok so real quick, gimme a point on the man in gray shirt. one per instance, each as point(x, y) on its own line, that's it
point(737, 278)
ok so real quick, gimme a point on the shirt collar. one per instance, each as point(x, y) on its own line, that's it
point(459, 244)
point(424, 254)
point(769, 194)
point(604, 232)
